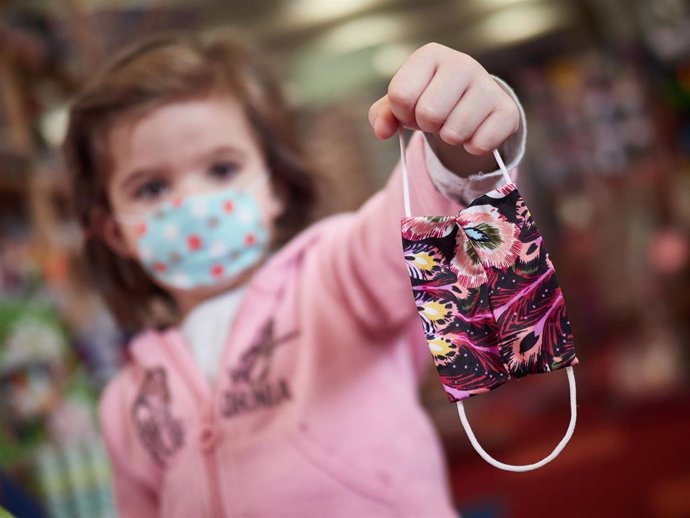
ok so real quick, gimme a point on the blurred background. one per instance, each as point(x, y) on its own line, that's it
point(606, 87)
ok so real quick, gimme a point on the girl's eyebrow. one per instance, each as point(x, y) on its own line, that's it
point(225, 150)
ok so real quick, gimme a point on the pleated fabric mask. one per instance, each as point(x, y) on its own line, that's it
point(488, 298)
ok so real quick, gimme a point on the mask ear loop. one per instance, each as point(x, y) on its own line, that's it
point(502, 167)
point(573, 401)
point(528, 467)
point(460, 404)
point(405, 174)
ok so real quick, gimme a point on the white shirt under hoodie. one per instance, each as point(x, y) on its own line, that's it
point(206, 327)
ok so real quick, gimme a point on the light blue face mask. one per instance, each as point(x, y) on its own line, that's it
point(202, 239)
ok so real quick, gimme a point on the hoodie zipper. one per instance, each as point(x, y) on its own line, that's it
point(208, 439)
point(214, 483)
point(207, 413)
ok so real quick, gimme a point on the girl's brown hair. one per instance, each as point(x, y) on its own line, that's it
point(160, 71)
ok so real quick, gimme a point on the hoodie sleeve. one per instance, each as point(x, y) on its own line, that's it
point(134, 497)
point(361, 263)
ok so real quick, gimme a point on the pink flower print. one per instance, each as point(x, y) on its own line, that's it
point(416, 229)
point(495, 240)
point(466, 264)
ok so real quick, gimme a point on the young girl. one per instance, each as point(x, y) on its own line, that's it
point(271, 375)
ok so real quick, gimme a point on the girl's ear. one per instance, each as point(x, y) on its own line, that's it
point(104, 225)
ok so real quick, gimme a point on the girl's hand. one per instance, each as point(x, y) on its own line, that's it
point(445, 92)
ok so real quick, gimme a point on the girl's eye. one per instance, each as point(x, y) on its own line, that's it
point(223, 170)
point(151, 190)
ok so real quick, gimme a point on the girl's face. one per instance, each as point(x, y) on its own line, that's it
point(176, 150)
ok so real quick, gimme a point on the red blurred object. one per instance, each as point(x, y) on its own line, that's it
point(623, 461)
point(669, 251)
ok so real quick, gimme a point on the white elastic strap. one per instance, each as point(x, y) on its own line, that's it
point(529, 467)
point(406, 179)
point(502, 166)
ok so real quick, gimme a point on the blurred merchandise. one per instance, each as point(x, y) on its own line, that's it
point(75, 480)
point(55, 352)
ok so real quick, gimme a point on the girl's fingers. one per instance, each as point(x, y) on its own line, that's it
point(382, 119)
point(409, 82)
point(493, 131)
point(466, 117)
point(442, 91)
point(440, 97)
point(376, 110)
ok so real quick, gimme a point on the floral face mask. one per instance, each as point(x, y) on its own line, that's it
point(488, 298)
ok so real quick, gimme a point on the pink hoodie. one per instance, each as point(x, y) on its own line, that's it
point(315, 411)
